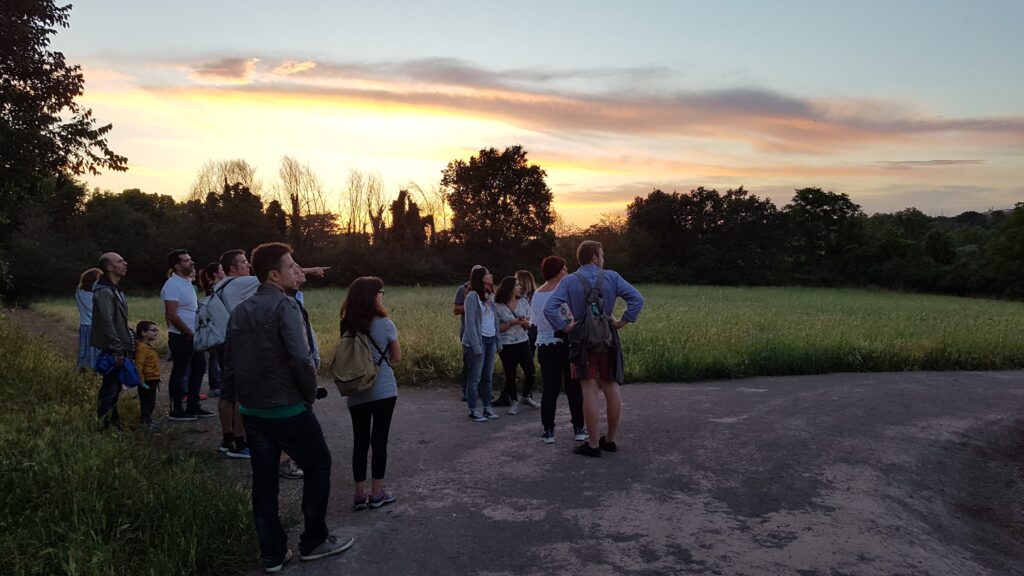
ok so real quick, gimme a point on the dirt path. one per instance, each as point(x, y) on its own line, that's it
point(908, 473)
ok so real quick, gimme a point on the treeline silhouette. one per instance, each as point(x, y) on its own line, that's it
point(702, 236)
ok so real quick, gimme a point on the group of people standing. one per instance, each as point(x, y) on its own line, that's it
point(268, 385)
point(269, 358)
point(519, 318)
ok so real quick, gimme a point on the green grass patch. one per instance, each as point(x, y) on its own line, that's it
point(698, 332)
point(77, 501)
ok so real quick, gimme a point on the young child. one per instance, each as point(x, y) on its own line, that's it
point(147, 361)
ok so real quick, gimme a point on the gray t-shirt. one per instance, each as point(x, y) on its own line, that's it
point(383, 333)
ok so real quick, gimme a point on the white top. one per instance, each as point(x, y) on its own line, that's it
point(545, 333)
point(514, 334)
point(487, 318)
point(180, 290)
point(239, 288)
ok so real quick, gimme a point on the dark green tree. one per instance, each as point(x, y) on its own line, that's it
point(825, 237)
point(498, 201)
point(43, 131)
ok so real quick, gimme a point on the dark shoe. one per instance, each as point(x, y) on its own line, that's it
point(548, 437)
point(272, 567)
point(586, 450)
point(198, 412)
point(360, 501)
point(606, 445)
point(579, 434)
point(332, 545)
point(502, 401)
point(214, 393)
point(226, 446)
point(180, 416)
point(381, 498)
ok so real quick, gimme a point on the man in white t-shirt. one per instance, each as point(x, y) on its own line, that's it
point(180, 307)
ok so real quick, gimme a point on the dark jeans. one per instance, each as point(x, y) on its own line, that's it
point(513, 356)
point(106, 409)
point(147, 401)
point(554, 371)
point(302, 438)
point(371, 424)
point(188, 364)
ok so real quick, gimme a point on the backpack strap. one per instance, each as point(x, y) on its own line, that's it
point(219, 293)
point(383, 356)
point(583, 280)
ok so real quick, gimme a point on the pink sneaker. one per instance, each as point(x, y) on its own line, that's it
point(360, 501)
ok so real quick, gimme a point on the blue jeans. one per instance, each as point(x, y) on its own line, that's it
point(189, 366)
point(213, 370)
point(480, 372)
point(303, 439)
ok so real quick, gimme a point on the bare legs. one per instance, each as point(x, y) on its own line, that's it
point(591, 415)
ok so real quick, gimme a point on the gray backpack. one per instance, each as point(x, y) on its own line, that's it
point(596, 336)
point(212, 320)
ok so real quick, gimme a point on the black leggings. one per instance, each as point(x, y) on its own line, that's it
point(554, 371)
point(371, 424)
point(513, 356)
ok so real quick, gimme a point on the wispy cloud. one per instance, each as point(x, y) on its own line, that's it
point(289, 67)
point(910, 164)
point(225, 71)
point(618, 101)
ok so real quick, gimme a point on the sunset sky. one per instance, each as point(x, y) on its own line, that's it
point(909, 103)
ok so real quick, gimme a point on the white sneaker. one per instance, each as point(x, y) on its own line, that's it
point(529, 401)
point(477, 417)
point(579, 434)
point(514, 409)
point(488, 413)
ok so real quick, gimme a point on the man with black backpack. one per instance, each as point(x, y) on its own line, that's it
point(595, 353)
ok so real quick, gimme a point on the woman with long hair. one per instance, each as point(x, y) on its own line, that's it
point(363, 312)
point(529, 288)
point(513, 311)
point(479, 344)
point(553, 356)
point(83, 298)
point(209, 276)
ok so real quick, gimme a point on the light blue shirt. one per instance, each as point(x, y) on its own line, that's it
point(570, 291)
point(383, 333)
point(84, 300)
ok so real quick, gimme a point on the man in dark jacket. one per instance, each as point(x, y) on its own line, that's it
point(267, 359)
point(110, 333)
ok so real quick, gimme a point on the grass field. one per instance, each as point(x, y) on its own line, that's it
point(690, 333)
point(80, 502)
